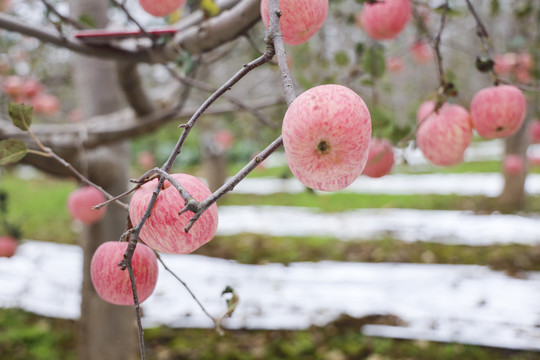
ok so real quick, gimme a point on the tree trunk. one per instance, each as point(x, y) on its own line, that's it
point(513, 195)
point(106, 331)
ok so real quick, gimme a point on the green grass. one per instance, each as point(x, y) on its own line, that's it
point(39, 207)
point(25, 336)
point(260, 249)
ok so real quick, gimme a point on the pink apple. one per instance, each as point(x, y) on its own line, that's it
point(523, 75)
point(421, 52)
point(444, 136)
point(164, 230)
point(31, 88)
point(513, 164)
point(46, 104)
point(534, 160)
point(395, 64)
point(326, 134)
point(385, 20)
point(525, 60)
point(426, 109)
point(300, 19)
point(380, 158)
point(534, 131)
point(498, 111)
point(224, 138)
point(505, 63)
point(80, 204)
point(112, 283)
point(13, 86)
point(161, 8)
point(146, 160)
point(8, 246)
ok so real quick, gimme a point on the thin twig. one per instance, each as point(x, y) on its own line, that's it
point(122, 6)
point(76, 24)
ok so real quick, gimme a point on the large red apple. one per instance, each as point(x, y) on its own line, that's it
point(112, 283)
point(80, 204)
point(444, 136)
point(386, 19)
point(498, 111)
point(300, 19)
point(326, 134)
point(161, 8)
point(426, 109)
point(8, 246)
point(164, 230)
point(380, 158)
point(513, 164)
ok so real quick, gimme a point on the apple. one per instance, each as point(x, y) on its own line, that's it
point(326, 134)
point(498, 111)
point(421, 52)
point(395, 64)
point(46, 104)
point(31, 88)
point(80, 204)
point(224, 138)
point(504, 63)
point(380, 158)
point(534, 131)
point(513, 164)
point(13, 86)
point(8, 246)
point(533, 160)
point(386, 19)
point(160, 8)
point(164, 230)
point(112, 283)
point(426, 109)
point(444, 136)
point(146, 160)
point(300, 19)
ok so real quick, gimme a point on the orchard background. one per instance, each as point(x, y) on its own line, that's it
point(112, 109)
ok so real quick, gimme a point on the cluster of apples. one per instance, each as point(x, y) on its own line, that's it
point(444, 135)
point(163, 231)
point(30, 91)
point(513, 64)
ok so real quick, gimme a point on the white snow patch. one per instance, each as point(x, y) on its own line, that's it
point(468, 304)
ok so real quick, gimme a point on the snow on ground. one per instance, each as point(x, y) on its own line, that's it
point(449, 227)
point(467, 304)
point(467, 184)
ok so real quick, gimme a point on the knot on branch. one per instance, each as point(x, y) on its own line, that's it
point(192, 205)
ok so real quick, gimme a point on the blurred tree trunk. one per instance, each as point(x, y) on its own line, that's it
point(106, 331)
point(214, 160)
point(513, 194)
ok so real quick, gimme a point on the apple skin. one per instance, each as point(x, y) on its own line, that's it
point(8, 246)
point(13, 86)
point(534, 131)
point(395, 64)
point(112, 283)
point(421, 52)
point(300, 19)
point(81, 201)
point(380, 158)
point(444, 136)
point(385, 20)
point(46, 104)
point(31, 88)
point(426, 109)
point(513, 164)
point(498, 111)
point(160, 8)
point(164, 230)
point(326, 134)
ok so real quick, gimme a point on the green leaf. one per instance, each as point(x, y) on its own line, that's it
point(210, 8)
point(495, 7)
point(21, 115)
point(12, 150)
point(341, 58)
point(87, 20)
point(374, 62)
